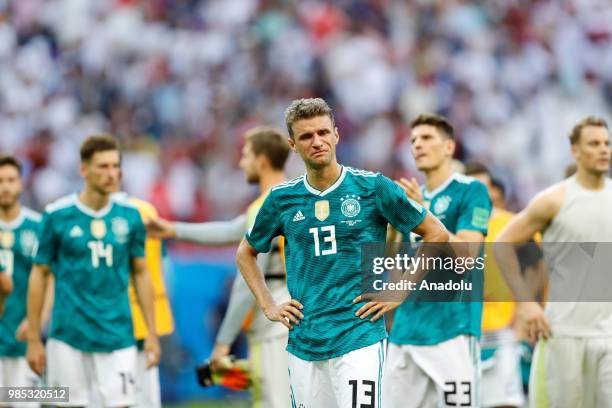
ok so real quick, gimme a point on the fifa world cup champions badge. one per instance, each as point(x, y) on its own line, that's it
point(98, 229)
point(322, 210)
point(7, 239)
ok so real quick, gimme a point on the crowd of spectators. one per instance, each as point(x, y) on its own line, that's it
point(180, 81)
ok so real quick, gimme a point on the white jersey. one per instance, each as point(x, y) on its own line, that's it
point(585, 218)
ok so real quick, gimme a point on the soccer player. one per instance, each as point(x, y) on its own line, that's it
point(18, 242)
point(433, 357)
point(93, 243)
point(147, 386)
point(500, 356)
point(574, 367)
point(263, 159)
point(336, 343)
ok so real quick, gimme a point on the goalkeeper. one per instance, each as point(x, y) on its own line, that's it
point(263, 159)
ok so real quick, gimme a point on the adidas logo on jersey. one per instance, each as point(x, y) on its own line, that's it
point(76, 231)
point(298, 216)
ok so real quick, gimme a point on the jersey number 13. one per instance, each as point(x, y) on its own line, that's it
point(328, 233)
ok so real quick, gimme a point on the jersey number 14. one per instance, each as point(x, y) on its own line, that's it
point(100, 251)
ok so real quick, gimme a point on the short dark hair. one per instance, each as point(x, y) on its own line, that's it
point(574, 136)
point(435, 120)
point(306, 109)
point(474, 167)
point(97, 143)
point(8, 160)
point(271, 142)
point(496, 183)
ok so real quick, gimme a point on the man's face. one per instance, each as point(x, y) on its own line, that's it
point(315, 140)
point(10, 186)
point(592, 152)
point(430, 147)
point(102, 173)
point(248, 164)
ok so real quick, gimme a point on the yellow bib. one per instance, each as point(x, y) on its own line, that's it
point(496, 315)
point(153, 254)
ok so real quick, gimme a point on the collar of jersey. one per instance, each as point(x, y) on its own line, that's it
point(328, 189)
point(91, 212)
point(431, 194)
point(11, 225)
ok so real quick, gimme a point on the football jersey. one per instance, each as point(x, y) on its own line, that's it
point(90, 253)
point(496, 315)
point(460, 203)
point(323, 233)
point(18, 245)
point(154, 257)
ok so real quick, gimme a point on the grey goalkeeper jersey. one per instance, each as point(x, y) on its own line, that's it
point(241, 301)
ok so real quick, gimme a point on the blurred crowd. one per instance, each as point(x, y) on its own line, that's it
point(180, 81)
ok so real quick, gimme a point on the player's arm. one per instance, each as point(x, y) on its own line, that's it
point(267, 226)
point(21, 333)
point(6, 287)
point(206, 233)
point(405, 215)
point(37, 290)
point(36, 299)
point(145, 295)
point(534, 218)
point(143, 285)
point(241, 301)
point(467, 232)
point(287, 313)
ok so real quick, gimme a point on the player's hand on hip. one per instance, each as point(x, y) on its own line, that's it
point(287, 313)
point(152, 350)
point(532, 321)
point(412, 189)
point(373, 308)
point(160, 229)
point(36, 356)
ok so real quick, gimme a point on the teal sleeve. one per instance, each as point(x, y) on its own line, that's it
point(266, 227)
point(394, 205)
point(47, 241)
point(137, 243)
point(475, 209)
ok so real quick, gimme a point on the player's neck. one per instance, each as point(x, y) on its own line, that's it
point(437, 176)
point(270, 179)
point(9, 214)
point(323, 178)
point(93, 199)
point(590, 181)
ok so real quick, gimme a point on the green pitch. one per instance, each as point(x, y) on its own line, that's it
point(219, 404)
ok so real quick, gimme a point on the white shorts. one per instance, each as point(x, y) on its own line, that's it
point(269, 365)
point(571, 372)
point(501, 377)
point(442, 375)
point(148, 394)
point(351, 380)
point(15, 372)
point(107, 378)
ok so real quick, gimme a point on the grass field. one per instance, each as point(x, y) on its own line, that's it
point(219, 404)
